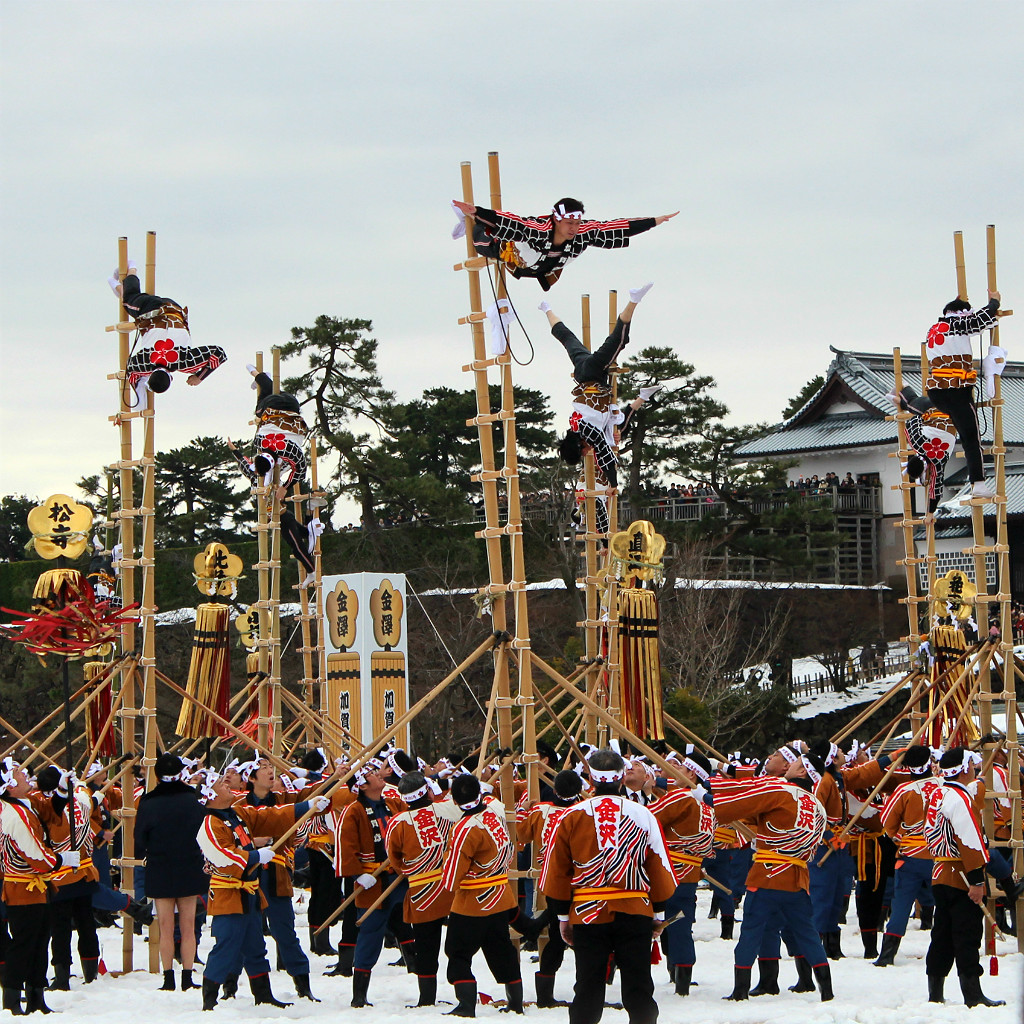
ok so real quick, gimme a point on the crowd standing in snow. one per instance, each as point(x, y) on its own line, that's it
point(419, 855)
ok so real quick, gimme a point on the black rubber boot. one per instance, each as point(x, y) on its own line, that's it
point(343, 968)
point(870, 939)
point(683, 977)
point(545, 986)
point(12, 1002)
point(973, 996)
point(428, 990)
point(187, 981)
point(831, 941)
point(90, 970)
point(61, 978)
point(465, 993)
point(302, 989)
point(408, 949)
point(230, 987)
point(360, 986)
point(741, 984)
point(935, 987)
point(35, 1003)
point(168, 985)
point(768, 978)
point(927, 917)
point(320, 942)
point(890, 947)
point(727, 927)
point(260, 988)
point(713, 912)
point(804, 976)
point(210, 993)
point(513, 997)
point(529, 927)
point(823, 975)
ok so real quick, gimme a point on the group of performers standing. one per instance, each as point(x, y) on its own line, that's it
point(423, 853)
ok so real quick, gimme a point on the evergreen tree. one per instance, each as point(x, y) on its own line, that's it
point(806, 392)
point(14, 531)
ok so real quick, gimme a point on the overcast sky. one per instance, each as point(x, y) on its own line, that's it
point(298, 158)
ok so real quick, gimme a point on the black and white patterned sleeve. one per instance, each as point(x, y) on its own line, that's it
point(603, 454)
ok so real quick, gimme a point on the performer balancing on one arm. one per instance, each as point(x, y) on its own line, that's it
point(164, 345)
point(543, 246)
point(595, 415)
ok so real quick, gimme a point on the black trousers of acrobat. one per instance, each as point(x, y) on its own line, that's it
point(957, 932)
point(489, 934)
point(628, 937)
point(26, 955)
point(958, 405)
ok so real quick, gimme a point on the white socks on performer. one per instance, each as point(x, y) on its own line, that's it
point(646, 394)
point(252, 369)
point(115, 279)
point(636, 294)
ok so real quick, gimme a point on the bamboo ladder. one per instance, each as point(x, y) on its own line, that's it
point(268, 569)
point(500, 584)
point(129, 563)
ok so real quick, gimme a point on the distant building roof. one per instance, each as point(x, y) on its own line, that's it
point(952, 512)
point(861, 381)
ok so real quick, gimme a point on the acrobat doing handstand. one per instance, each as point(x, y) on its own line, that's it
point(596, 417)
point(163, 346)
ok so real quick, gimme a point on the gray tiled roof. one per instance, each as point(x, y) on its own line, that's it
point(870, 376)
point(1014, 500)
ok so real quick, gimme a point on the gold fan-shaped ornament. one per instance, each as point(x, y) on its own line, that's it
point(386, 612)
point(217, 571)
point(637, 551)
point(248, 626)
point(954, 596)
point(60, 526)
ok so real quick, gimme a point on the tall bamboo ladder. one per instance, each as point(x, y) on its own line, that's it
point(129, 563)
point(602, 672)
point(513, 650)
point(311, 614)
point(268, 569)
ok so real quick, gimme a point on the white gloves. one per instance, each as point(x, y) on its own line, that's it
point(319, 804)
point(71, 859)
point(699, 792)
point(636, 294)
point(66, 784)
point(460, 227)
point(646, 394)
point(298, 773)
point(366, 881)
point(992, 366)
point(544, 307)
point(265, 854)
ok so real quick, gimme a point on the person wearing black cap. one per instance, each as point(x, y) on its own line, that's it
point(169, 818)
point(955, 840)
point(541, 247)
point(164, 345)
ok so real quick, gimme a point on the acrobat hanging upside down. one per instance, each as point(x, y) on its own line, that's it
point(163, 346)
point(543, 246)
point(280, 437)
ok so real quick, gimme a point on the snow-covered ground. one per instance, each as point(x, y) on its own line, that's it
point(864, 994)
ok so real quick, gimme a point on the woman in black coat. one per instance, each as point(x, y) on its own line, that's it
point(169, 819)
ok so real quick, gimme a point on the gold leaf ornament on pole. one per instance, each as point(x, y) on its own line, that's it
point(217, 571)
point(637, 551)
point(955, 596)
point(60, 527)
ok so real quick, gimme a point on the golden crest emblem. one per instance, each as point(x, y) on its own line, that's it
point(342, 607)
point(60, 527)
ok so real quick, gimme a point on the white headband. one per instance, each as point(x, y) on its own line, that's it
point(419, 794)
point(207, 779)
point(7, 769)
point(692, 766)
point(970, 757)
point(833, 753)
point(812, 772)
point(560, 213)
point(393, 762)
point(787, 753)
point(606, 775)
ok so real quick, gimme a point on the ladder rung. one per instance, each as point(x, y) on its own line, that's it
point(475, 263)
point(985, 549)
point(124, 327)
point(483, 364)
point(509, 530)
point(493, 588)
point(493, 474)
point(490, 417)
point(473, 318)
